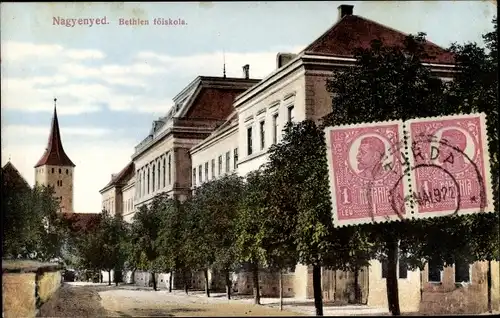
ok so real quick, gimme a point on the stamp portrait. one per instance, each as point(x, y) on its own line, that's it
point(450, 165)
point(363, 171)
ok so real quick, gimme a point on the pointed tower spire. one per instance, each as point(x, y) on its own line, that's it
point(224, 63)
point(54, 153)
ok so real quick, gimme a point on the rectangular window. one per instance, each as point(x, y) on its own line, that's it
point(220, 165)
point(275, 128)
point(291, 113)
point(194, 176)
point(462, 273)
point(228, 161)
point(213, 168)
point(249, 141)
point(434, 274)
point(200, 174)
point(206, 171)
point(262, 135)
point(235, 158)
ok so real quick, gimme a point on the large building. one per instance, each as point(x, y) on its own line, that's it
point(253, 120)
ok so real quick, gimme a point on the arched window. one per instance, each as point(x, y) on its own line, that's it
point(153, 178)
point(52, 170)
point(148, 181)
point(60, 170)
point(164, 171)
point(159, 179)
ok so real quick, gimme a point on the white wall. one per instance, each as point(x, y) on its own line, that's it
point(275, 99)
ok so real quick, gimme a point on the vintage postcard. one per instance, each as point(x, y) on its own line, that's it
point(249, 158)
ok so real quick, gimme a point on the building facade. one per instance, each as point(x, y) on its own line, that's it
point(116, 194)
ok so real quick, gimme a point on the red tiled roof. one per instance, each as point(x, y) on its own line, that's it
point(54, 154)
point(353, 32)
point(120, 177)
point(81, 221)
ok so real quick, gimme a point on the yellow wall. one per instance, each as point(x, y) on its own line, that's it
point(409, 289)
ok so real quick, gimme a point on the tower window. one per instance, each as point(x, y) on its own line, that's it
point(52, 170)
point(60, 171)
point(67, 171)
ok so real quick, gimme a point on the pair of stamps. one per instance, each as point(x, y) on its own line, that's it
point(395, 170)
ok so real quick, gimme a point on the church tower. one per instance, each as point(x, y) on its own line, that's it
point(56, 169)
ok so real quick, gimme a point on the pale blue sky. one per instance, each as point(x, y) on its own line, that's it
point(112, 81)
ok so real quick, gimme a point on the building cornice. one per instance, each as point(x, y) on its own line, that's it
point(317, 61)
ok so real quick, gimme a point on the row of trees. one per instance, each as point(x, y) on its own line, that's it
point(281, 214)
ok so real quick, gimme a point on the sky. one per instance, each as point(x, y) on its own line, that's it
point(111, 81)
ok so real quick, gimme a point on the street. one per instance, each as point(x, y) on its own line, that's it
point(91, 300)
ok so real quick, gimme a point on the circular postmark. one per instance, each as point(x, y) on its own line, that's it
point(440, 161)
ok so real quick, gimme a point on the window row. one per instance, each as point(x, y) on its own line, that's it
point(128, 205)
point(262, 131)
point(435, 271)
point(203, 170)
point(51, 170)
point(461, 269)
point(154, 176)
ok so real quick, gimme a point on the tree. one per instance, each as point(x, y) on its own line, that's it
point(300, 201)
point(32, 227)
point(111, 232)
point(212, 212)
point(250, 245)
point(391, 83)
point(475, 89)
point(147, 223)
point(170, 240)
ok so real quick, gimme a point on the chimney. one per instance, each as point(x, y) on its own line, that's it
point(284, 58)
point(345, 9)
point(246, 71)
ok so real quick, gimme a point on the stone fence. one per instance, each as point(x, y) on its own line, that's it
point(26, 285)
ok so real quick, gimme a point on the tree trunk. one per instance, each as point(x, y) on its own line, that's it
point(207, 287)
point(335, 285)
point(228, 284)
point(256, 289)
point(170, 283)
point(109, 277)
point(357, 294)
point(100, 277)
point(186, 288)
point(281, 290)
point(153, 276)
point(488, 278)
point(318, 301)
point(392, 278)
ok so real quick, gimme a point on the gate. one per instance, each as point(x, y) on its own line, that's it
point(338, 286)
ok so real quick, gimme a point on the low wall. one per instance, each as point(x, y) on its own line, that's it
point(26, 285)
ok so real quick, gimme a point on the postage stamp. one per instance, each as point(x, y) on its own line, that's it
point(363, 172)
point(450, 165)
